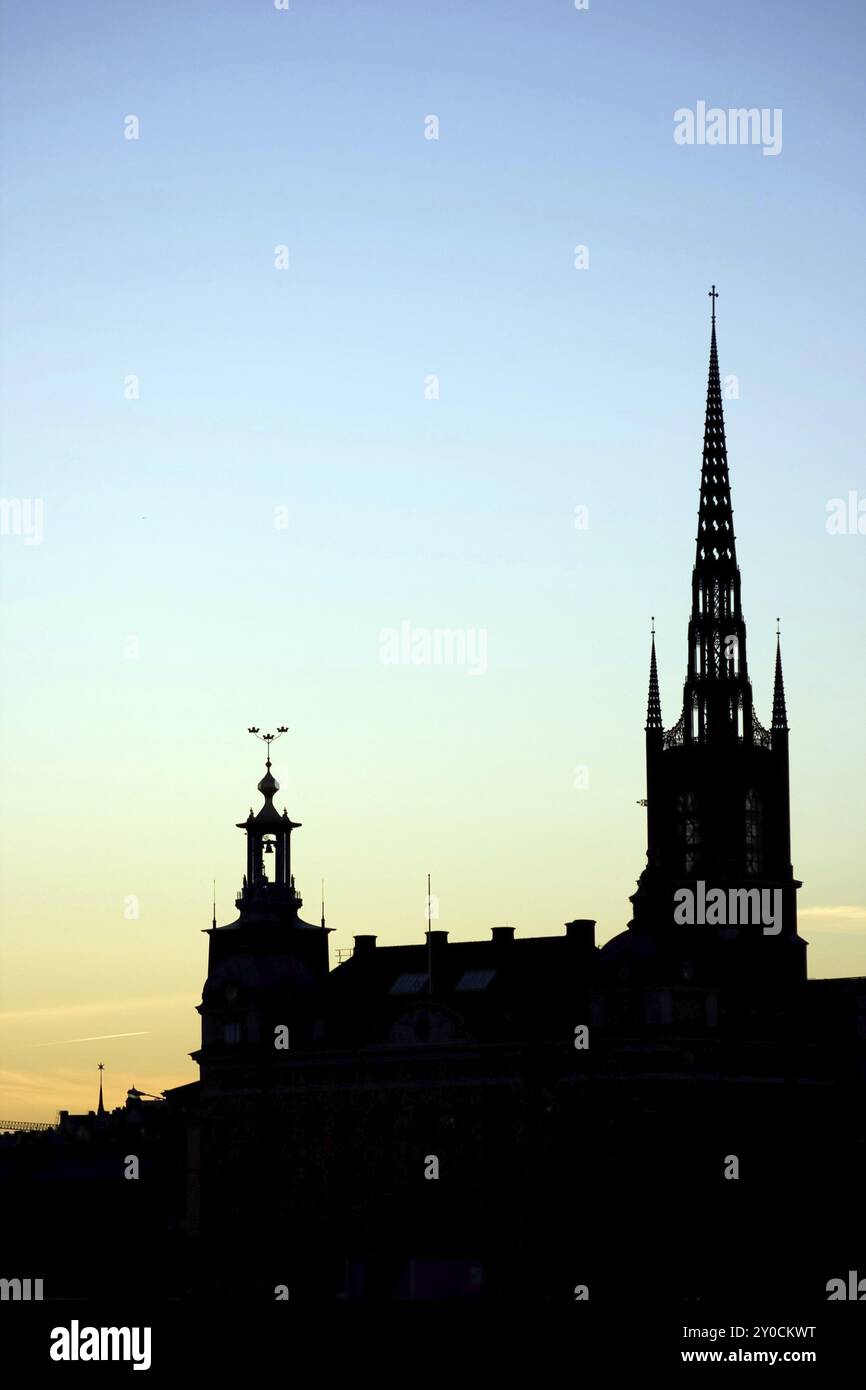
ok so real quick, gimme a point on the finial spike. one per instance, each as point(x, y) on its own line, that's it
point(713, 293)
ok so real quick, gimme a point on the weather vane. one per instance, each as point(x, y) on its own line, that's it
point(269, 738)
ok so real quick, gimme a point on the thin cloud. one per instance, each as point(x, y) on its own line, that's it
point(100, 1037)
point(850, 917)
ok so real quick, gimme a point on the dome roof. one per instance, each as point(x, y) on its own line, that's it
point(257, 974)
point(269, 786)
point(629, 953)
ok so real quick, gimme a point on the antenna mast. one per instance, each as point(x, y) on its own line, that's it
point(429, 939)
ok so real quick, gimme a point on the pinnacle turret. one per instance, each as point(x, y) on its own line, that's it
point(654, 704)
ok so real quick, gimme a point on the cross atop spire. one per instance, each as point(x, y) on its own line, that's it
point(714, 294)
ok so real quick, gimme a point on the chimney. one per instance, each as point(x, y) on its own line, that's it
point(364, 944)
point(581, 934)
point(503, 936)
point(437, 938)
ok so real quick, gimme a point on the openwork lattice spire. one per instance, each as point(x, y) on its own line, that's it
point(715, 516)
point(717, 698)
point(780, 713)
point(654, 704)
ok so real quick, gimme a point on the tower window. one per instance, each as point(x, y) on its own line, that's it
point(689, 830)
point(231, 1033)
point(754, 833)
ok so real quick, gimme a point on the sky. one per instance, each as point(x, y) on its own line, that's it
point(324, 321)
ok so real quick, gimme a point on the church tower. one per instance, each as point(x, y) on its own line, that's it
point(718, 813)
point(267, 968)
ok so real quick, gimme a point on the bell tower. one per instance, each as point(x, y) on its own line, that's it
point(266, 970)
point(269, 841)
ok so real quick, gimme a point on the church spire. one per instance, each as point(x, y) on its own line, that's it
point(717, 698)
point(654, 704)
point(717, 791)
point(780, 713)
point(100, 1109)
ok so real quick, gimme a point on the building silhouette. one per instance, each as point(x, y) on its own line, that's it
point(676, 1115)
point(545, 1076)
point(718, 801)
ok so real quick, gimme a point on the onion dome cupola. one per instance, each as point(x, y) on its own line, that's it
point(268, 892)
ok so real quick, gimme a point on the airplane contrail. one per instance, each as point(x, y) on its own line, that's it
point(101, 1037)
